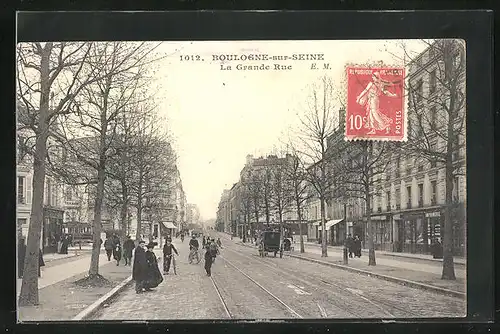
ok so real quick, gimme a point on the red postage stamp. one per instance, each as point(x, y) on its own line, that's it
point(375, 104)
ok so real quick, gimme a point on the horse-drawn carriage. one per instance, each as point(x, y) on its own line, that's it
point(270, 242)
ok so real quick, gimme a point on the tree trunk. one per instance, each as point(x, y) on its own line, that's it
point(139, 209)
point(299, 215)
point(324, 247)
point(371, 246)
point(123, 214)
point(448, 265)
point(244, 232)
point(96, 226)
point(29, 286)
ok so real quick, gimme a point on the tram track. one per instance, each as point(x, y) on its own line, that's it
point(387, 310)
point(230, 314)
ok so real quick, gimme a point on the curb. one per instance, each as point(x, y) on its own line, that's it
point(398, 255)
point(95, 306)
point(393, 279)
point(92, 309)
point(62, 258)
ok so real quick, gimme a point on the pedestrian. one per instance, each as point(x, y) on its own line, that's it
point(128, 247)
point(193, 249)
point(64, 245)
point(349, 244)
point(117, 253)
point(153, 274)
point(41, 263)
point(108, 246)
point(208, 262)
point(204, 241)
point(213, 250)
point(139, 270)
point(437, 249)
point(219, 243)
point(357, 246)
point(167, 255)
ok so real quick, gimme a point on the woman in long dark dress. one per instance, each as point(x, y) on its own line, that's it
point(153, 274)
point(117, 253)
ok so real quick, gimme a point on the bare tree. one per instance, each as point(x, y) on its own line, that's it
point(298, 179)
point(359, 167)
point(46, 72)
point(91, 132)
point(282, 192)
point(255, 187)
point(318, 124)
point(437, 115)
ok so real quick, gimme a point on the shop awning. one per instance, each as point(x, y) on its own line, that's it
point(333, 222)
point(169, 225)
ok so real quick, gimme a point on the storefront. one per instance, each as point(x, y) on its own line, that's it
point(337, 232)
point(52, 231)
point(382, 232)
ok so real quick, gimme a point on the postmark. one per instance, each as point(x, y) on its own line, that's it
point(375, 104)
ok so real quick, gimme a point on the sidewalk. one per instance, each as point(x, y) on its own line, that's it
point(187, 295)
point(457, 260)
point(398, 268)
point(57, 273)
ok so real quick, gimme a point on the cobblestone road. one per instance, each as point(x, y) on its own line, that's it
point(188, 295)
point(307, 289)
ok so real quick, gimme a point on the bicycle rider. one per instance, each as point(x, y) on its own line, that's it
point(193, 248)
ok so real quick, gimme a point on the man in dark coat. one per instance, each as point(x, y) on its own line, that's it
point(108, 246)
point(128, 247)
point(208, 262)
point(139, 270)
point(357, 246)
point(167, 255)
point(349, 243)
point(117, 253)
point(153, 274)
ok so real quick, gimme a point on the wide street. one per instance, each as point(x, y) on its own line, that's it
point(244, 285)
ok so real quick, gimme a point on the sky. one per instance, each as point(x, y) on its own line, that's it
point(217, 117)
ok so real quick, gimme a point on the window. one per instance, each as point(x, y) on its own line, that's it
point(408, 196)
point(420, 90)
point(398, 198)
point(398, 165)
point(20, 190)
point(68, 194)
point(455, 189)
point(432, 82)
point(433, 117)
point(388, 198)
point(421, 195)
point(433, 192)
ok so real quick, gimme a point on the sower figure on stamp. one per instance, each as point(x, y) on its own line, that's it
point(370, 100)
point(167, 255)
point(140, 268)
point(128, 247)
